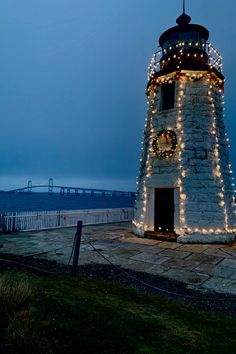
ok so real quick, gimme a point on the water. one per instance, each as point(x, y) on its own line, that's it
point(42, 201)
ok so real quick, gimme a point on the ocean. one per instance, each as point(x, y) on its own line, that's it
point(15, 202)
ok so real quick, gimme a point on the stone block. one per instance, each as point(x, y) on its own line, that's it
point(229, 263)
point(178, 254)
point(146, 257)
point(181, 263)
point(201, 154)
point(192, 162)
point(205, 177)
point(193, 248)
point(196, 185)
point(219, 252)
point(197, 203)
point(220, 284)
point(203, 258)
point(163, 180)
point(214, 270)
point(186, 276)
point(203, 169)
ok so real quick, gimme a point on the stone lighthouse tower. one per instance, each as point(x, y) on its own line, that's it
point(185, 185)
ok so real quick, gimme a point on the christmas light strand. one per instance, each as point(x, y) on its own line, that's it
point(181, 148)
point(140, 223)
point(181, 51)
point(216, 151)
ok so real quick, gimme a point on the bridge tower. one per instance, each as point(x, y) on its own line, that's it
point(185, 185)
point(50, 186)
point(29, 187)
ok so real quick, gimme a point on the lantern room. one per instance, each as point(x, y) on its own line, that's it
point(191, 38)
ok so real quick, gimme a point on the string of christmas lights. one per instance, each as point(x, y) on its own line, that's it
point(191, 75)
point(214, 57)
point(181, 147)
point(217, 167)
point(142, 185)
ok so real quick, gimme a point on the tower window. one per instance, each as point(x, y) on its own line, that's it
point(167, 96)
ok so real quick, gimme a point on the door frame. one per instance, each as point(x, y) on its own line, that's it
point(150, 212)
point(164, 210)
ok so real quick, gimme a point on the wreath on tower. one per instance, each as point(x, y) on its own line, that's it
point(164, 144)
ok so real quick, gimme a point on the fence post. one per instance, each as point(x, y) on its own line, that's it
point(76, 248)
point(4, 222)
point(14, 222)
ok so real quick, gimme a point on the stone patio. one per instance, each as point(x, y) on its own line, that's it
point(202, 267)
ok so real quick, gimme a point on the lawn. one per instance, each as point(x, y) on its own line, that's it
point(60, 314)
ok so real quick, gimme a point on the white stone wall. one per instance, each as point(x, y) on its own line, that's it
point(202, 153)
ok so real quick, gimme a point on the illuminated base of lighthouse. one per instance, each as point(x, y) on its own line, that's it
point(195, 237)
point(209, 238)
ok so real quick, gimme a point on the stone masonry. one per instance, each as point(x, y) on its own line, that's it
point(200, 170)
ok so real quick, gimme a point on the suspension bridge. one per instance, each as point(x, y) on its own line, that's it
point(66, 190)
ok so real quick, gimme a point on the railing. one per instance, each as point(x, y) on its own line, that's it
point(32, 221)
point(214, 57)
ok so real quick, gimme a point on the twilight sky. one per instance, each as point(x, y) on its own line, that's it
point(72, 88)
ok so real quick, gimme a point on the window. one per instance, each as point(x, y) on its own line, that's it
point(167, 96)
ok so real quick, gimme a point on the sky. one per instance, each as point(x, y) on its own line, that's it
point(72, 85)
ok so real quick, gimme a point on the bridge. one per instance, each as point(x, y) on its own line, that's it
point(65, 190)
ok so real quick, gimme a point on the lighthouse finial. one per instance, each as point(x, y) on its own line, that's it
point(184, 6)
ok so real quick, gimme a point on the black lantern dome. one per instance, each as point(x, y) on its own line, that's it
point(184, 46)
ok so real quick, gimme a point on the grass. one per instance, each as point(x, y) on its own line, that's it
point(77, 315)
point(13, 294)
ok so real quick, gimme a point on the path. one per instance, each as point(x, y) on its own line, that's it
point(202, 267)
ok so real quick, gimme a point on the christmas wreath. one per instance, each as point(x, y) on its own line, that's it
point(164, 144)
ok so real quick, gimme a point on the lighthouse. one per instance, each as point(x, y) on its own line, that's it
point(185, 188)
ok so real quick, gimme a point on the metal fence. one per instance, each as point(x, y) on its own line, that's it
point(42, 220)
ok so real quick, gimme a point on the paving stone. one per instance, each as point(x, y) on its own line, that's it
point(186, 276)
point(214, 270)
point(205, 268)
point(176, 263)
point(124, 252)
point(217, 252)
point(230, 252)
point(104, 245)
point(175, 253)
point(169, 245)
point(222, 285)
point(151, 250)
point(202, 258)
point(86, 247)
point(231, 263)
point(120, 261)
point(193, 248)
point(143, 241)
point(158, 269)
point(146, 257)
point(90, 258)
point(139, 266)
